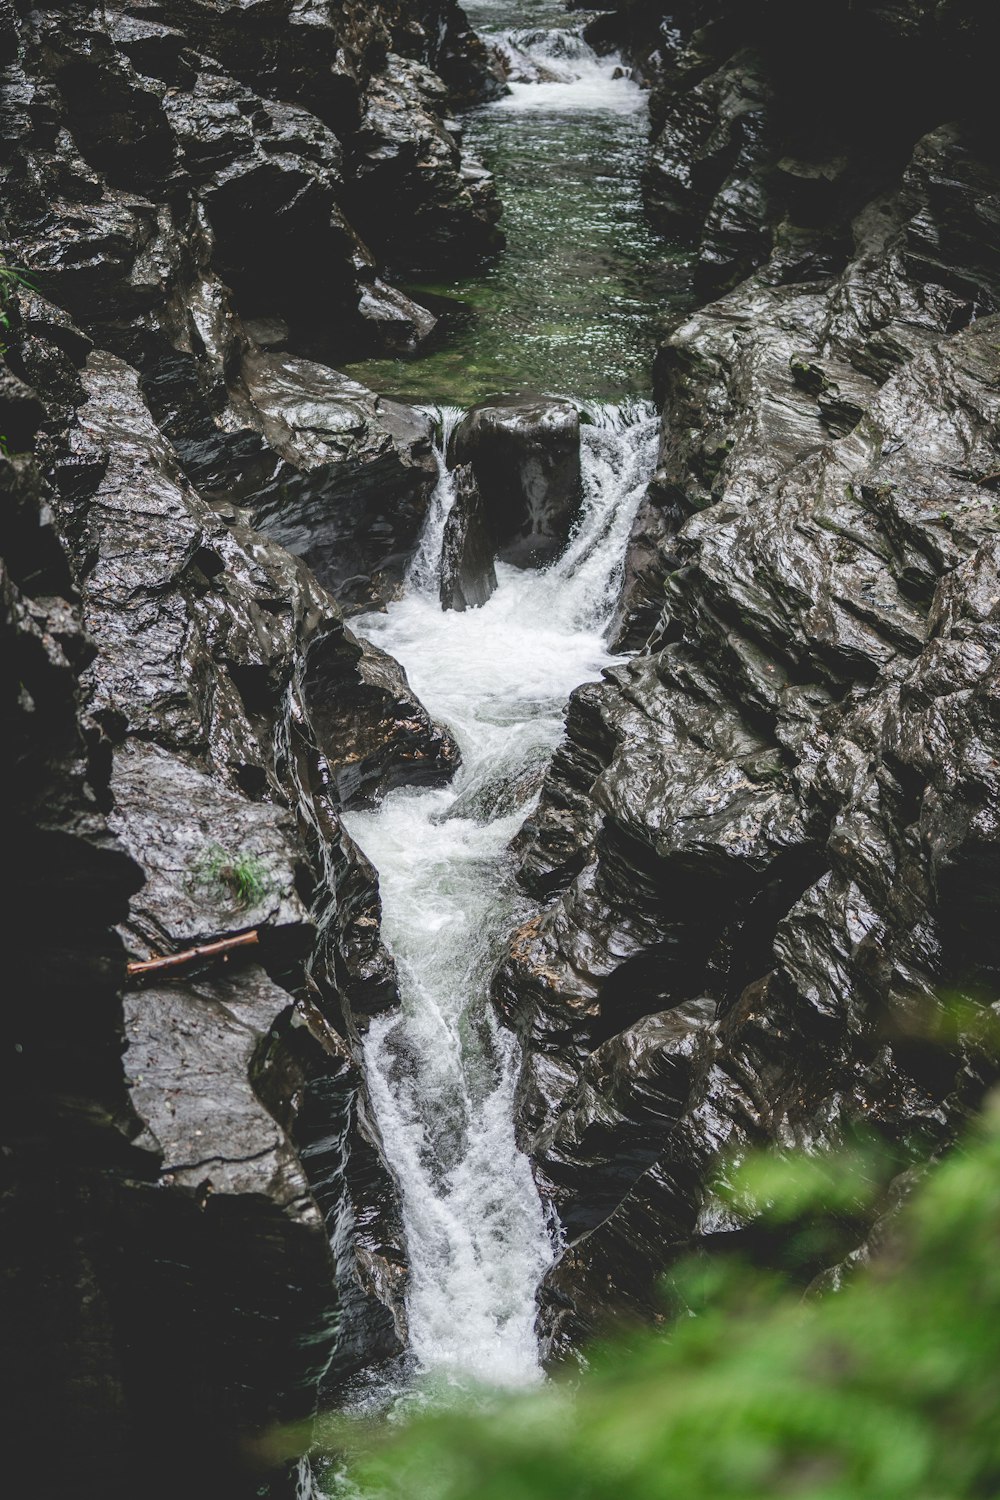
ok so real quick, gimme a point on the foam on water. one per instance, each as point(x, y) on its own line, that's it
point(441, 1071)
point(557, 70)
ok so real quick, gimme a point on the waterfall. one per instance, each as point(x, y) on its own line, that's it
point(556, 69)
point(441, 1070)
point(423, 572)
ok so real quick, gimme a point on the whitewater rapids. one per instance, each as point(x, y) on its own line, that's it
point(441, 1070)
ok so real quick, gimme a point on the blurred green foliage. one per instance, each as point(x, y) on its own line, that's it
point(887, 1388)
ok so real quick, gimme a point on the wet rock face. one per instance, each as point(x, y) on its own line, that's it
point(355, 475)
point(214, 178)
point(209, 1229)
point(468, 577)
point(156, 1222)
point(376, 733)
point(64, 1124)
point(56, 791)
point(525, 456)
point(420, 205)
point(744, 166)
point(757, 851)
point(195, 681)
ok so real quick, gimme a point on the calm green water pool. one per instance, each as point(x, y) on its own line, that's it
point(575, 302)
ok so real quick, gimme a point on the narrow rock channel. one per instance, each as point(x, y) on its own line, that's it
point(565, 478)
point(442, 1073)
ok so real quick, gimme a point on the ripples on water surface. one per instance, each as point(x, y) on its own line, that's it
point(574, 303)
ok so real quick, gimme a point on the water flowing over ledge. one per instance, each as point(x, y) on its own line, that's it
point(441, 1072)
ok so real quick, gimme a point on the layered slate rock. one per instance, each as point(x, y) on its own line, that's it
point(337, 474)
point(525, 456)
point(194, 184)
point(156, 1218)
point(208, 643)
point(420, 204)
point(753, 847)
point(210, 1229)
point(65, 1113)
point(745, 165)
point(354, 475)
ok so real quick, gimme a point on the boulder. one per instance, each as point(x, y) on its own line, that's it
point(468, 577)
point(401, 324)
point(352, 473)
point(525, 455)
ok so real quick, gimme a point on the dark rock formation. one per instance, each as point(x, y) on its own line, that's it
point(171, 175)
point(199, 1226)
point(468, 577)
point(765, 845)
point(525, 455)
point(771, 129)
point(765, 855)
point(163, 1255)
point(62, 1089)
point(353, 474)
point(420, 205)
point(208, 641)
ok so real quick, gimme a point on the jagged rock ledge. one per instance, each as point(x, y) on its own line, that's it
point(765, 854)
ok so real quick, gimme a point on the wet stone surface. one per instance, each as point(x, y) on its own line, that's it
point(185, 191)
point(750, 816)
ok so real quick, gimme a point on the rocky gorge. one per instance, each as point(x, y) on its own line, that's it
point(761, 863)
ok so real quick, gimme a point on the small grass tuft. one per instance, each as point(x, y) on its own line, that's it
point(243, 878)
point(11, 279)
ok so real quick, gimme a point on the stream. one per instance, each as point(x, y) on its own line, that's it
point(570, 307)
point(575, 303)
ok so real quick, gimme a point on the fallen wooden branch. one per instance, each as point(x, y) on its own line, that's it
point(191, 955)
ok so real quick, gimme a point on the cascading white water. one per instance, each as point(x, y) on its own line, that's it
point(424, 571)
point(441, 1071)
point(556, 69)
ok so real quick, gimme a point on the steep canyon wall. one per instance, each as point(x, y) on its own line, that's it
point(765, 855)
point(199, 1228)
point(764, 858)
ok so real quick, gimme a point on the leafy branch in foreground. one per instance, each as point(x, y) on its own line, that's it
point(887, 1390)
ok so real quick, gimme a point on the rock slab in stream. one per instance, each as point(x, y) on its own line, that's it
point(525, 455)
point(468, 577)
point(349, 478)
